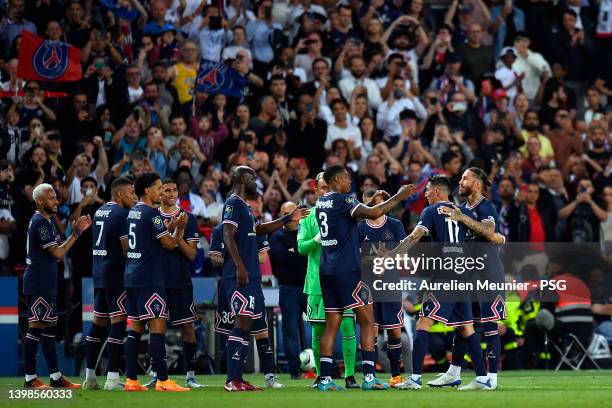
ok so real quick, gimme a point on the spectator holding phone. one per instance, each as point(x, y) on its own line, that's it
point(212, 34)
point(583, 214)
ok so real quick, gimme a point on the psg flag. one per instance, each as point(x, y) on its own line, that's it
point(44, 60)
point(217, 78)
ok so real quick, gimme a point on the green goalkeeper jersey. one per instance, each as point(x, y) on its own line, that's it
point(307, 245)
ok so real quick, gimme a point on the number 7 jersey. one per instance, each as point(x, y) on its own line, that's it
point(109, 226)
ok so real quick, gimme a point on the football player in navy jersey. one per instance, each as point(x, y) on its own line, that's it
point(439, 226)
point(109, 293)
point(44, 249)
point(179, 288)
point(147, 241)
point(387, 315)
point(341, 285)
point(483, 224)
point(241, 272)
point(224, 322)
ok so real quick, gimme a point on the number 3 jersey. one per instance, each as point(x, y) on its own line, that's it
point(144, 267)
point(339, 235)
point(108, 260)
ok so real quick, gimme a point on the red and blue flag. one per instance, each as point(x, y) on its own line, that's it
point(44, 60)
point(218, 78)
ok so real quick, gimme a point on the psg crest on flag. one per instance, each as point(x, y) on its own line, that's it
point(216, 77)
point(51, 59)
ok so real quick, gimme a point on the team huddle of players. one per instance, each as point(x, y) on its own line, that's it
point(143, 245)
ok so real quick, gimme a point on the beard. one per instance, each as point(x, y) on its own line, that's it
point(465, 191)
point(50, 210)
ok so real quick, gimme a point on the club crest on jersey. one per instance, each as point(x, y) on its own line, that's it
point(51, 59)
point(157, 221)
point(44, 233)
point(350, 200)
point(229, 210)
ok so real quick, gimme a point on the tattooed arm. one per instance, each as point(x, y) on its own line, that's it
point(485, 229)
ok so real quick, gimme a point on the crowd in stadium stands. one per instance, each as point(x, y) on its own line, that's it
point(396, 91)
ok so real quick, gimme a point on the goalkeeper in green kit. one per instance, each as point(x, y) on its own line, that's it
point(309, 243)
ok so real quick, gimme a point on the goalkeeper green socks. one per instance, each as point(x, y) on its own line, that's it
point(349, 345)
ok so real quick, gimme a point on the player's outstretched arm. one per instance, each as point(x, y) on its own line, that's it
point(78, 226)
point(484, 229)
point(229, 238)
point(379, 210)
point(404, 245)
point(269, 227)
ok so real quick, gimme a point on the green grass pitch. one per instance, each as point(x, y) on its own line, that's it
point(523, 389)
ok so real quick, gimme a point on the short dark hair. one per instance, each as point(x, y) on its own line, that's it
point(168, 180)
point(319, 59)
point(89, 178)
point(332, 172)
point(570, 12)
point(277, 77)
point(281, 152)
point(447, 156)
point(144, 181)
point(119, 183)
point(337, 101)
point(440, 181)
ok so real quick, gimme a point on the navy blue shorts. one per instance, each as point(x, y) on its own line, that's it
point(491, 311)
point(146, 303)
point(344, 292)
point(254, 306)
point(181, 306)
point(42, 308)
point(224, 322)
point(109, 302)
point(449, 313)
point(388, 315)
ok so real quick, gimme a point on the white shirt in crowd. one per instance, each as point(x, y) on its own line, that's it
point(5, 215)
point(506, 76)
point(198, 208)
point(348, 84)
point(74, 190)
point(388, 117)
point(134, 94)
point(351, 132)
point(533, 66)
point(212, 43)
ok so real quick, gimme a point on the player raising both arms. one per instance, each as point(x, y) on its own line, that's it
point(179, 288)
point(482, 230)
point(387, 315)
point(44, 249)
point(109, 293)
point(241, 272)
point(341, 284)
point(309, 243)
point(441, 228)
point(146, 241)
